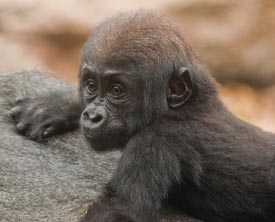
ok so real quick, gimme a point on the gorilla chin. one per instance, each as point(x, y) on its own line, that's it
point(102, 140)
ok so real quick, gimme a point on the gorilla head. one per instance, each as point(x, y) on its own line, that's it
point(131, 73)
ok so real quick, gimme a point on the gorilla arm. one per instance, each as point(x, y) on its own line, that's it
point(151, 164)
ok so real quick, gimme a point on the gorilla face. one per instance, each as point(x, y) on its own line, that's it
point(119, 103)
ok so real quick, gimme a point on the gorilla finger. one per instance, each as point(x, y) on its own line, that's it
point(23, 126)
point(22, 130)
point(50, 131)
point(15, 112)
point(54, 129)
point(43, 131)
point(37, 133)
point(21, 100)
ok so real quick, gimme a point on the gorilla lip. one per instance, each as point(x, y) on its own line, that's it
point(90, 125)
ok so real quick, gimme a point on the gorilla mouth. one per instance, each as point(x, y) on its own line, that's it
point(105, 143)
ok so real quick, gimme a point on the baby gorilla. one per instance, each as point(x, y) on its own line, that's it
point(143, 90)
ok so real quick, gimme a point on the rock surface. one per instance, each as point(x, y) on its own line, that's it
point(54, 181)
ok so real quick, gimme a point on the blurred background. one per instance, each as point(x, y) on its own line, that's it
point(235, 39)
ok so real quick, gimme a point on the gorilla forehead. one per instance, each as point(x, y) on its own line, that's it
point(132, 40)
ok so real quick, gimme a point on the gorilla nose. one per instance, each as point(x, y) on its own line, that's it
point(95, 117)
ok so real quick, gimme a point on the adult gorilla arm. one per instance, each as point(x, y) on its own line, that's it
point(46, 115)
point(55, 181)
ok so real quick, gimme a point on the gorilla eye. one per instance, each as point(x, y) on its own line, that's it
point(91, 87)
point(117, 90)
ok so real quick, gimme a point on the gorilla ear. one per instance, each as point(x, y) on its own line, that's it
point(180, 88)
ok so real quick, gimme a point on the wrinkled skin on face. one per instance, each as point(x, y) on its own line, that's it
point(111, 103)
point(115, 106)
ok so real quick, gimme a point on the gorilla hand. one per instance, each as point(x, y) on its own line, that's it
point(42, 117)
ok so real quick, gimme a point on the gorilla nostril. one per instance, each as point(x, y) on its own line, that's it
point(96, 118)
point(85, 115)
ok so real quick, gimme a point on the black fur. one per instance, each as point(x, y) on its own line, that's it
point(182, 147)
